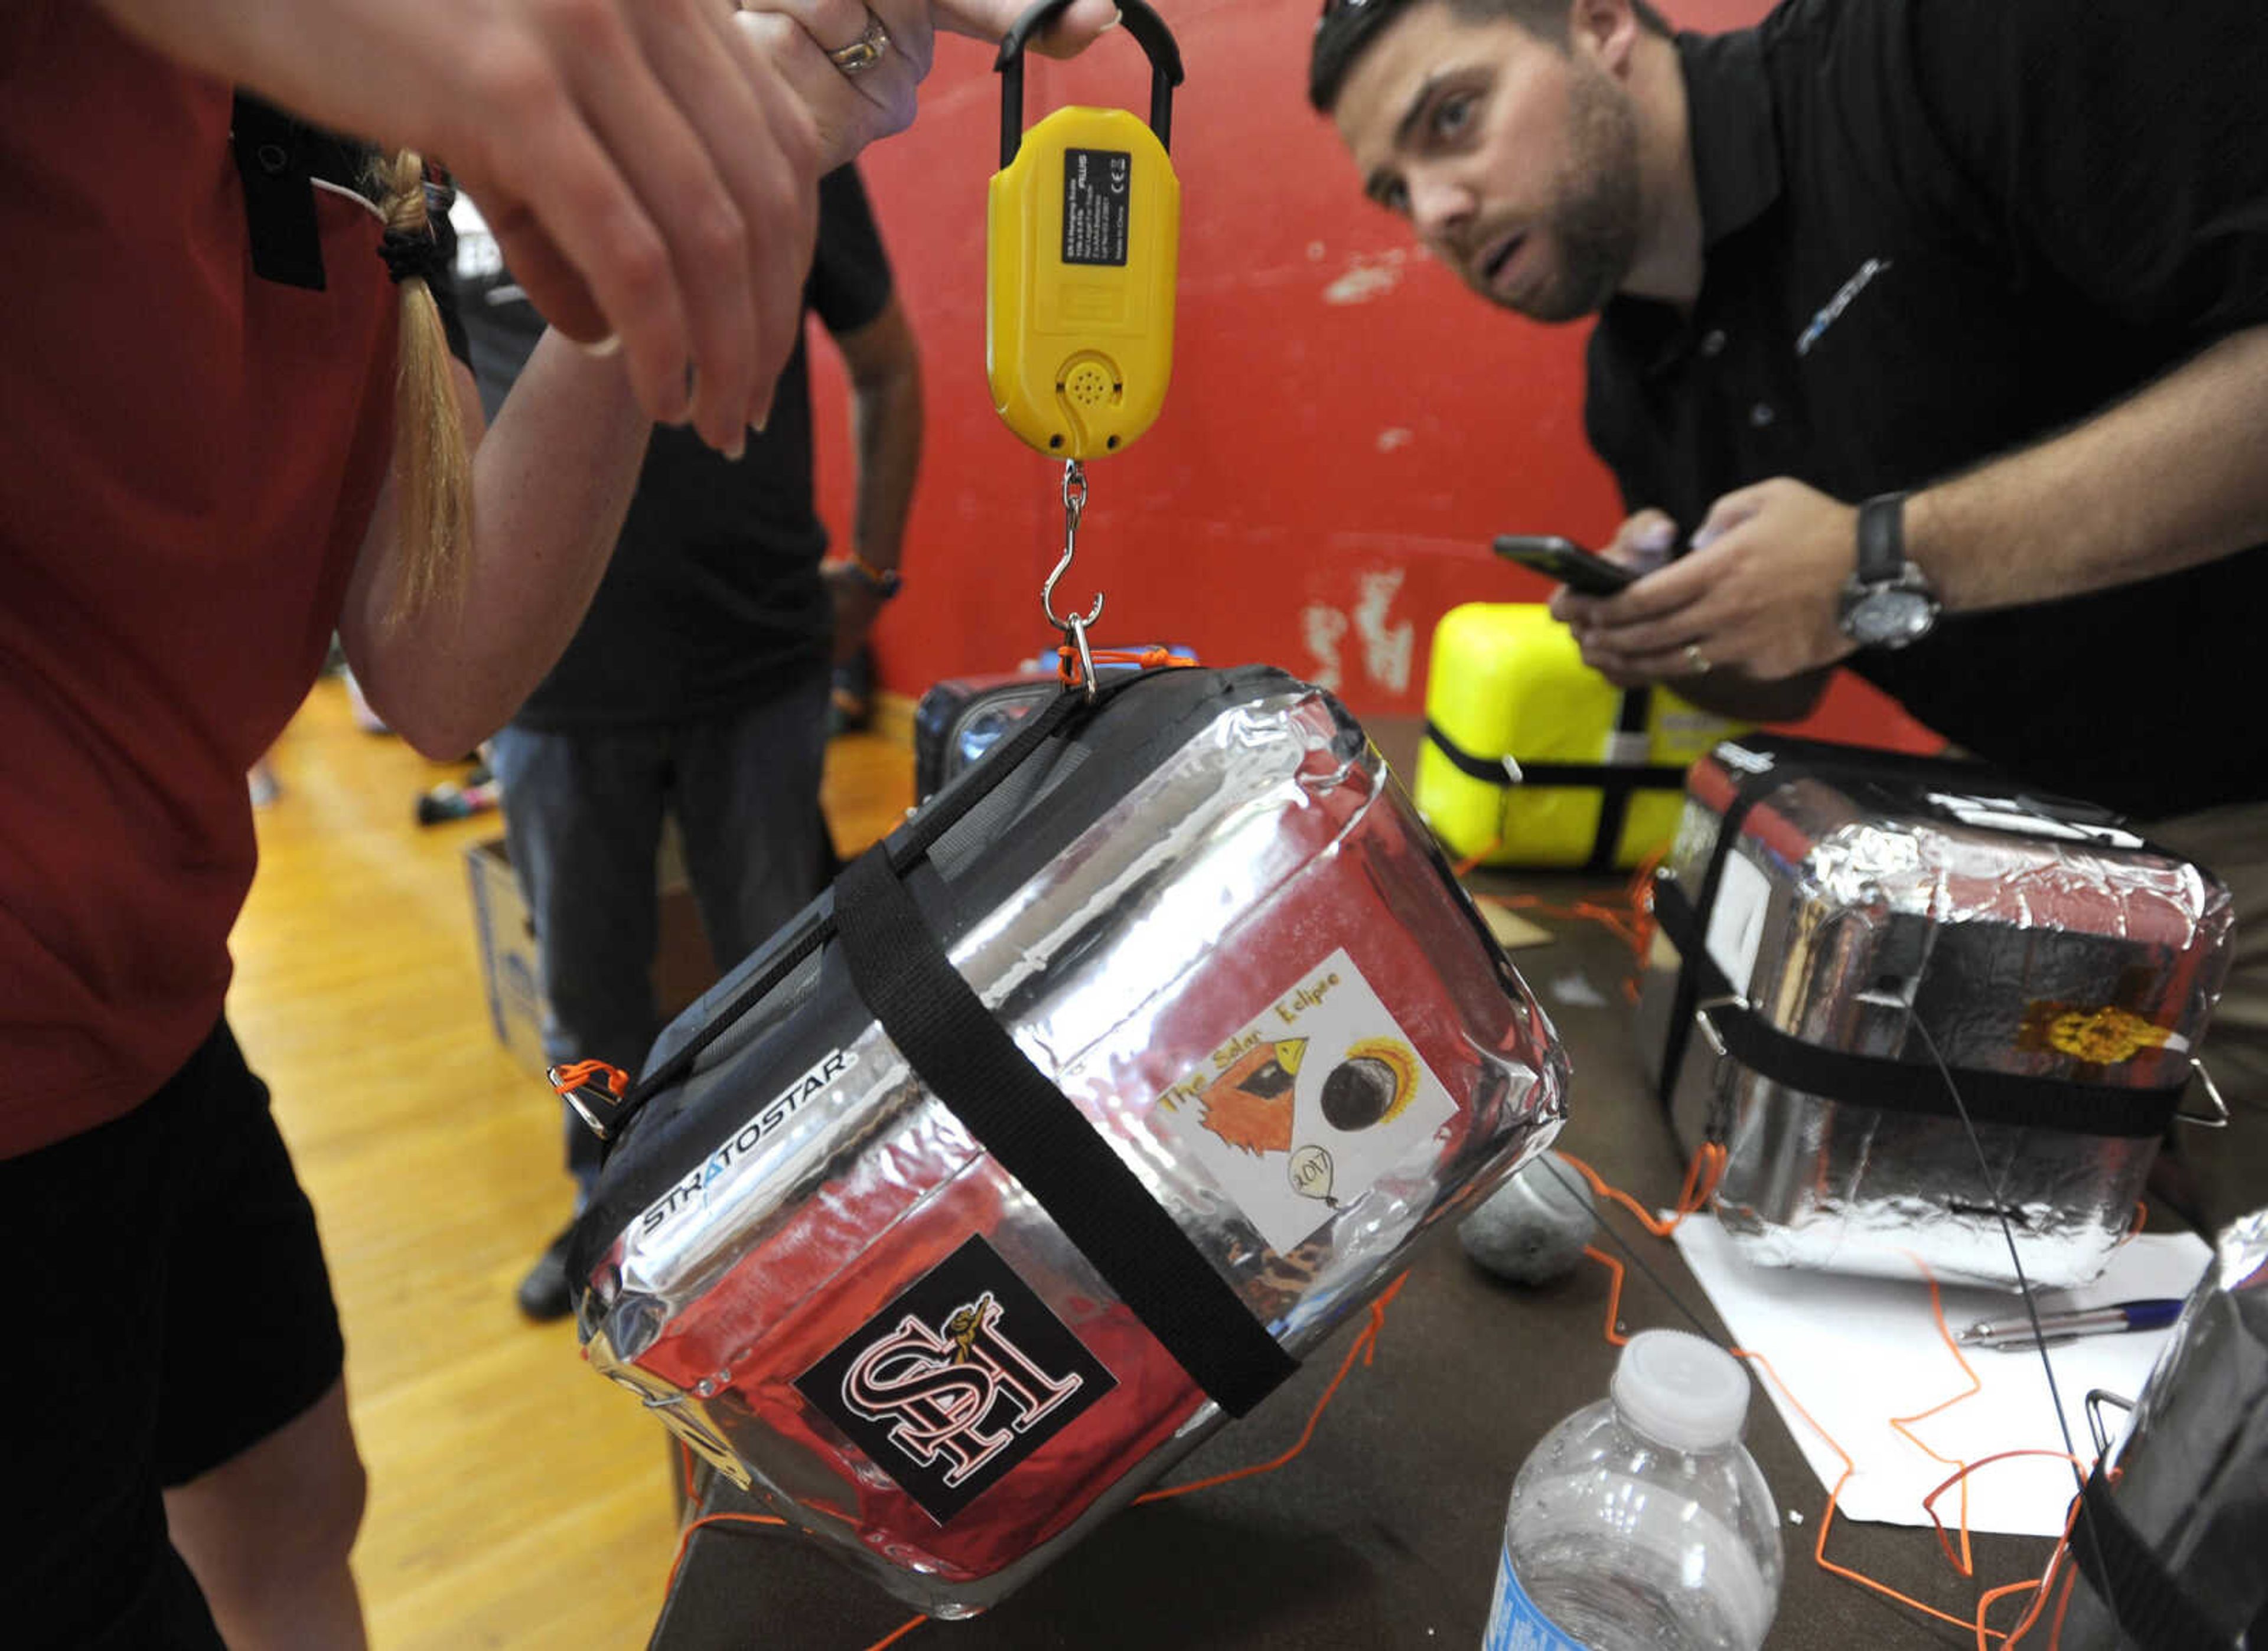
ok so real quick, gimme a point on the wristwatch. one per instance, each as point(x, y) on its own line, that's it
point(1887, 602)
point(884, 582)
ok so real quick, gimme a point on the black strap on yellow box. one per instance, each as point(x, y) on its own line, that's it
point(1614, 782)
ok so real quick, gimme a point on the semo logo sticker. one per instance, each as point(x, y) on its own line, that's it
point(956, 1381)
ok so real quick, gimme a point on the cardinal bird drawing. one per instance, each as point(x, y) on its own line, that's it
point(1249, 1105)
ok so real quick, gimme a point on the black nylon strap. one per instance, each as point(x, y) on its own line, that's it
point(1900, 1086)
point(967, 1060)
point(2131, 1581)
point(1614, 801)
point(1614, 782)
point(1652, 776)
point(1687, 995)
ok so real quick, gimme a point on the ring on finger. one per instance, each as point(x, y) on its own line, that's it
point(1696, 660)
point(865, 52)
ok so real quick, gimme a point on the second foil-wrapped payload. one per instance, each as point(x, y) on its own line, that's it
point(1922, 1012)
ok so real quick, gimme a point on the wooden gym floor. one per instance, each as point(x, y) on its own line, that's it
point(516, 1498)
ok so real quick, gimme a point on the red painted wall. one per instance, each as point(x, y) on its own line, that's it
point(1346, 429)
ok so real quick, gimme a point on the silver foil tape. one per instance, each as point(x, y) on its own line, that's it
point(2024, 944)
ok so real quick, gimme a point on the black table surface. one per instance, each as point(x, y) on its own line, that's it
point(1385, 1532)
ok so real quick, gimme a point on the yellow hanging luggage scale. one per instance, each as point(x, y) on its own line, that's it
point(1083, 234)
point(1083, 226)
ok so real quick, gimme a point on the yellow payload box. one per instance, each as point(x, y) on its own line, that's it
point(1600, 773)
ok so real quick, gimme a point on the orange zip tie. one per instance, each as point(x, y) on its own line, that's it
point(1147, 658)
point(577, 1074)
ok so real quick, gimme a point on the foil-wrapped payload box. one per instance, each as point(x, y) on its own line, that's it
point(1911, 1002)
point(1206, 915)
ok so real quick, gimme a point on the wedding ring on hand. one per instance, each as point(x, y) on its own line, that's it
point(1695, 660)
point(865, 52)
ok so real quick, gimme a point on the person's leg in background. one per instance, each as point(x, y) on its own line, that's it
point(2224, 1174)
point(746, 802)
point(583, 824)
point(188, 1387)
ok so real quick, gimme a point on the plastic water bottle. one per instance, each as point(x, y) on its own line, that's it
point(1641, 1522)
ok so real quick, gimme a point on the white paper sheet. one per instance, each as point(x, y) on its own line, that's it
point(1857, 1352)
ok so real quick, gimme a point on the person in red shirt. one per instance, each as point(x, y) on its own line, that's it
point(206, 474)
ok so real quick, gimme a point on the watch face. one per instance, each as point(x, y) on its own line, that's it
point(1890, 618)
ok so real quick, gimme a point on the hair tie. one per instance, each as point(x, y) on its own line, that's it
point(413, 255)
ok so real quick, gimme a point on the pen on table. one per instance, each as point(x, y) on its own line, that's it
point(2015, 1335)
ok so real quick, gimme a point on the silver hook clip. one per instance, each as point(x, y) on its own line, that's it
point(1074, 498)
point(1076, 630)
point(2218, 1118)
point(1704, 1017)
point(2096, 1398)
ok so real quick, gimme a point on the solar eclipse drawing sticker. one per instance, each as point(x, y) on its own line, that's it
point(1310, 1103)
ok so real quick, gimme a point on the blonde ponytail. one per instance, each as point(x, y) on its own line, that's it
point(432, 469)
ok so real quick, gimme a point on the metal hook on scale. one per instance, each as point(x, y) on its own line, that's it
point(1073, 628)
point(1074, 498)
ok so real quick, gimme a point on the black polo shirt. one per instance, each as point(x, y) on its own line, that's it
point(713, 601)
point(1938, 230)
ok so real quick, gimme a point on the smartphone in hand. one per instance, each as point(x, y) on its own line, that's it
point(1562, 559)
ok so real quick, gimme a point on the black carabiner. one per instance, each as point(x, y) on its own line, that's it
point(1150, 33)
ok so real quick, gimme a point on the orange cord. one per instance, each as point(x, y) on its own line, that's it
point(1364, 1344)
point(1612, 1331)
point(1629, 919)
point(2055, 1630)
point(685, 1536)
point(1464, 867)
point(1964, 1563)
point(1701, 1178)
point(1365, 1347)
point(1702, 1175)
point(2141, 1219)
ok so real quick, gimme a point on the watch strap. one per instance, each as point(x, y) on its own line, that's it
point(1882, 540)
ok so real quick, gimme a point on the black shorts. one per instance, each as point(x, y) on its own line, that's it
point(167, 1306)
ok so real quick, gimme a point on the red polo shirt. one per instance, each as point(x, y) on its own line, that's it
point(188, 455)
